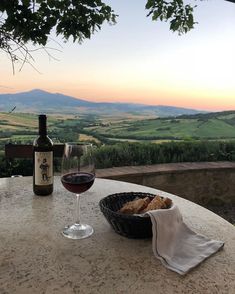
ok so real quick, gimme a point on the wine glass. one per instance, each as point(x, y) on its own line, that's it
point(77, 176)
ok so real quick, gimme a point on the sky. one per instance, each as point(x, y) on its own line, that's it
point(141, 61)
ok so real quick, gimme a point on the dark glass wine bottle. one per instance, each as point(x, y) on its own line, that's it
point(43, 160)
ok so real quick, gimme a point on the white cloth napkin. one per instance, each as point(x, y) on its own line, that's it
point(176, 245)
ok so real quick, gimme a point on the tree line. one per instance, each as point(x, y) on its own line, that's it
point(127, 154)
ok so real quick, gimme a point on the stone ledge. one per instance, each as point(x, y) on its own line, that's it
point(204, 183)
point(164, 168)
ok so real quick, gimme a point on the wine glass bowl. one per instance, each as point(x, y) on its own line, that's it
point(77, 176)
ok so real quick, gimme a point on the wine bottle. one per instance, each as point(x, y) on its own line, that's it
point(43, 160)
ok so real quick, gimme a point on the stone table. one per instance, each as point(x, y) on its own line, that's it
point(36, 258)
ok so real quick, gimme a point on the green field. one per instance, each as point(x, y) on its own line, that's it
point(22, 128)
point(207, 137)
point(183, 128)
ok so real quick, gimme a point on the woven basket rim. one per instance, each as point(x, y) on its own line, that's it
point(123, 215)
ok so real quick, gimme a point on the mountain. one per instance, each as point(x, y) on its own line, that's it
point(42, 101)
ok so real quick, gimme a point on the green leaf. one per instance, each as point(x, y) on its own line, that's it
point(149, 4)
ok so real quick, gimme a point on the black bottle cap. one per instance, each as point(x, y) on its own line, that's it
point(42, 124)
point(42, 116)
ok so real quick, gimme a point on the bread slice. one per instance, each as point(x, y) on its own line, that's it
point(158, 203)
point(135, 206)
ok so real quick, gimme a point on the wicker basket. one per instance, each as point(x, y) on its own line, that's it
point(131, 226)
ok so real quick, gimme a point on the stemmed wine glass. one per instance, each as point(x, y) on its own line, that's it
point(77, 176)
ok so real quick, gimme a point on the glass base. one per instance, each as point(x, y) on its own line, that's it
point(78, 231)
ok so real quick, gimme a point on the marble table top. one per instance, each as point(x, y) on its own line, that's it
point(36, 258)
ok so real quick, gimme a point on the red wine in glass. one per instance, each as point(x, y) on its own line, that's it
point(77, 176)
point(78, 182)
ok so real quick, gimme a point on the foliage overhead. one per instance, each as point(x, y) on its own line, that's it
point(179, 15)
point(33, 20)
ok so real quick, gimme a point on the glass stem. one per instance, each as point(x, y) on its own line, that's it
point(77, 216)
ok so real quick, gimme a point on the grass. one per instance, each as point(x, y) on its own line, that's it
point(169, 128)
point(23, 127)
point(16, 121)
point(84, 137)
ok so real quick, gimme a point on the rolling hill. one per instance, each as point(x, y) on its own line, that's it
point(210, 126)
point(37, 101)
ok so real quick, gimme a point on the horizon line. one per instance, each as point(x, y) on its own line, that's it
point(115, 102)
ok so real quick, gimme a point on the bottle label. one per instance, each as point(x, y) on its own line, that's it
point(43, 168)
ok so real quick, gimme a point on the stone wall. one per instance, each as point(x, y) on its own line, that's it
point(201, 182)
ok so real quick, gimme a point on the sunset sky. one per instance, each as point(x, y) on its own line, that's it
point(141, 61)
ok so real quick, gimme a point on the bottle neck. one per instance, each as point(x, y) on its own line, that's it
point(42, 126)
